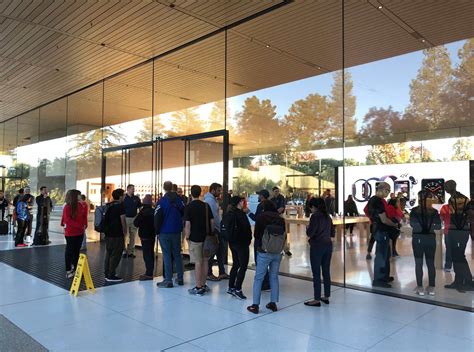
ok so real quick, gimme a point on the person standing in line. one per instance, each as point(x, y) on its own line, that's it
point(131, 203)
point(17, 197)
point(4, 211)
point(182, 196)
point(394, 213)
point(85, 202)
point(74, 221)
point(239, 237)
point(29, 199)
point(330, 202)
point(168, 226)
point(115, 230)
point(199, 222)
point(44, 208)
point(381, 227)
point(456, 220)
point(350, 209)
point(144, 221)
point(424, 221)
point(280, 204)
point(263, 195)
point(266, 262)
point(321, 233)
point(22, 218)
point(211, 198)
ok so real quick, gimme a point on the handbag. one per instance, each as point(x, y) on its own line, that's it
point(211, 243)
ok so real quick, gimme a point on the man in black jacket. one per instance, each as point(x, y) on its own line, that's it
point(144, 221)
point(45, 206)
point(239, 236)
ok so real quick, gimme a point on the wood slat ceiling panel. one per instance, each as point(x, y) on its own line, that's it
point(424, 17)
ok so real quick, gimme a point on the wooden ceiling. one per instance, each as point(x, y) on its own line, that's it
point(50, 48)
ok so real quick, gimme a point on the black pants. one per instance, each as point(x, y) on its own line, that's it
point(221, 256)
point(114, 247)
point(350, 227)
point(394, 244)
point(371, 240)
point(240, 261)
point(320, 257)
point(20, 232)
point(148, 249)
point(73, 248)
point(424, 246)
point(266, 279)
point(458, 240)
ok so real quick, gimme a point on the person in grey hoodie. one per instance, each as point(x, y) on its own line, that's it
point(211, 198)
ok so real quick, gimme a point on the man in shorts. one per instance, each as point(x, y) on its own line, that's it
point(199, 222)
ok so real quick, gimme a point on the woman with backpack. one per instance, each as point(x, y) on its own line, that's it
point(144, 221)
point(320, 231)
point(74, 221)
point(238, 233)
point(270, 240)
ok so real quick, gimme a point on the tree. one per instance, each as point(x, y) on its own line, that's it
point(458, 97)
point(380, 122)
point(429, 87)
point(257, 122)
point(463, 149)
point(150, 129)
point(309, 123)
point(336, 102)
point(89, 145)
point(395, 153)
point(420, 154)
point(186, 121)
point(244, 184)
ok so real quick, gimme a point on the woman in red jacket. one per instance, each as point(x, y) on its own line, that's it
point(74, 221)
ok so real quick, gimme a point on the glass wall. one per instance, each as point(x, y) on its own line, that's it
point(348, 98)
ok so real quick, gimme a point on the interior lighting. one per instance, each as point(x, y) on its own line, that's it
point(380, 7)
point(267, 45)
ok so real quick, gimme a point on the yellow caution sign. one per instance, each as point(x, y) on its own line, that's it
point(82, 269)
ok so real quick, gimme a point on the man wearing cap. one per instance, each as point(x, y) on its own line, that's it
point(381, 226)
point(144, 221)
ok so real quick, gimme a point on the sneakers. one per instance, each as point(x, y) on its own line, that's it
point(253, 308)
point(165, 284)
point(223, 277)
point(239, 294)
point(145, 277)
point(272, 306)
point(197, 291)
point(212, 277)
point(179, 282)
point(131, 255)
point(368, 256)
point(419, 291)
point(288, 253)
point(430, 290)
point(21, 245)
point(231, 291)
point(113, 278)
point(206, 288)
point(70, 274)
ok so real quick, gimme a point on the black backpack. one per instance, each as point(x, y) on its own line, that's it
point(229, 227)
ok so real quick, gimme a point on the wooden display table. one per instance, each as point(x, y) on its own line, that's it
point(339, 222)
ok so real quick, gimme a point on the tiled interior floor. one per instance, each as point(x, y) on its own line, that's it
point(138, 316)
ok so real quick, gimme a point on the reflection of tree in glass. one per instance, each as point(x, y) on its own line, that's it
point(88, 145)
point(336, 101)
point(398, 153)
point(463, 149)
point(428, 88)
point(185, 122)
point(151, 128)
point(245, 184)
point(380, 122)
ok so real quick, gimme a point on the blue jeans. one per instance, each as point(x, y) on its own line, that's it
point(321, 261)
point(382, 256)
point(171, 245)
point(266, 261)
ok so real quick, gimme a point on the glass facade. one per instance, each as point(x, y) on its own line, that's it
point(333, 116)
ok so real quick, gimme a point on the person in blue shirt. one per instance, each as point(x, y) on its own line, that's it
point(23, 219)
point(132, 204)
point(168, 227)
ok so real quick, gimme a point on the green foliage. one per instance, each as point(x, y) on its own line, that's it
point(58, 196)
point(247, 185)
point(463, 149)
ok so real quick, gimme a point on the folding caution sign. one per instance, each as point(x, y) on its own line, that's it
point(82, 269)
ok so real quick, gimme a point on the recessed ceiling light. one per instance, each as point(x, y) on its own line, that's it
point(423, 40)
point(267, 45)
point(380, 7)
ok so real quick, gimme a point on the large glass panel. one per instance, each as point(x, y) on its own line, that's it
point(84, 142)
point(128, 105)
point(414, 132)
point(28, 155)
point(189, 89)
point(10, 142)
point(285, 116)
